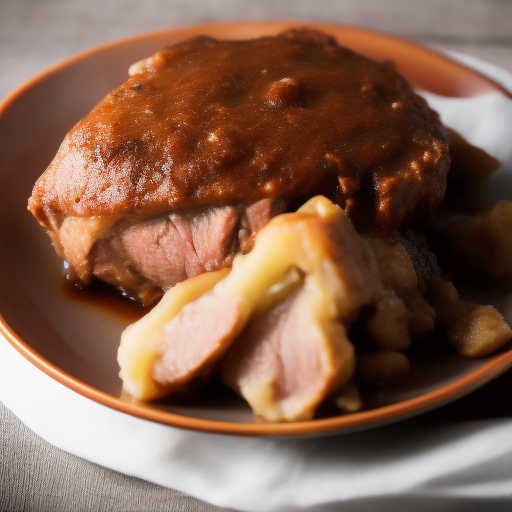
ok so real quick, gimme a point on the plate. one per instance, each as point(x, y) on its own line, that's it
point(74, 341)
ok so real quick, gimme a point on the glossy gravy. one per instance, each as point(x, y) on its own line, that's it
point(210, 122)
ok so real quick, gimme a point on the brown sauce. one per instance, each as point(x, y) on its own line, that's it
point(106, 298)
point(295, 115)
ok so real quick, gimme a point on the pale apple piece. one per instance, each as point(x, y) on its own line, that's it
point(347, 398)
point(402, 313)
point(474, 330)
point(478, 247)
point(379, 368)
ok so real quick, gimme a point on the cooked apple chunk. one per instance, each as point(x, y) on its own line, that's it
point(479, 246)
point(474, 330)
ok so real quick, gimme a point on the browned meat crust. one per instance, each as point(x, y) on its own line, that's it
point(219, 122)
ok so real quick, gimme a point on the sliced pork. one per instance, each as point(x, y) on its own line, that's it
point(286, 362)
point(143, 257)
point(194, 340)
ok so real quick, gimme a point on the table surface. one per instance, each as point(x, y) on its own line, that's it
point(34, 34)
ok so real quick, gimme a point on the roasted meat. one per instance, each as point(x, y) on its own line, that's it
point(146, 256)
point(205, 130)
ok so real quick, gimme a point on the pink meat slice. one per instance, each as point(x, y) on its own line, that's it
point(285, 349)
point(195, 339)
point(151, 255)
point(171, 248)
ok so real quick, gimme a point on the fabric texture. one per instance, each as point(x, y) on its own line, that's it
point(472, 434)
point(36, 476)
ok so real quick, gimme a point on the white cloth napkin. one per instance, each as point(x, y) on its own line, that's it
point(425, 465)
